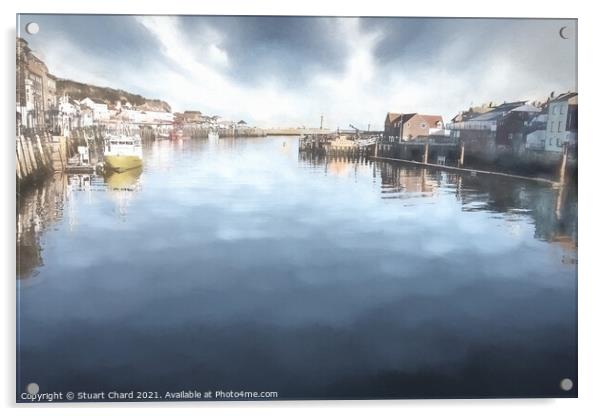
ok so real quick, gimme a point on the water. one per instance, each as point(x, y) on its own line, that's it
point(241, 265)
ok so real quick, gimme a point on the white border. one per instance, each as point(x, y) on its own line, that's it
point(590, 152)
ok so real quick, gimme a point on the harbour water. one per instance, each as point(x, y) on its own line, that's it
point(239, 264)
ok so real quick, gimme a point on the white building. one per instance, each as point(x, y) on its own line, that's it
point(536, 136)
point(86, 117)
point(562, 122)
point(149, 117)
point(67, 106)
point(100, 109)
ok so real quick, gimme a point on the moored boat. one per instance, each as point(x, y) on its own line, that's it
point(123, 152)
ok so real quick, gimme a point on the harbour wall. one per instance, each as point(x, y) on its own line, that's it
point(39, 154)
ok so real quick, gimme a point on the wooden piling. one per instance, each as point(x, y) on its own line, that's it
point(425, 158)
point(18, 166)
point(42, 157)
point(562, 172)
point(34, 163)
point(25, 155)
point(461, 158)
point(20, 159)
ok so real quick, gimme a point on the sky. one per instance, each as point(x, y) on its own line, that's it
point(288, 71)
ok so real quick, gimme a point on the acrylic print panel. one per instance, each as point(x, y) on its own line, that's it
point(277, 208)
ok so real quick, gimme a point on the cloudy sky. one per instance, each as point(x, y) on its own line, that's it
point(287, 71)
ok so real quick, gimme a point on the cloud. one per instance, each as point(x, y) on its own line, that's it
point(289, 71)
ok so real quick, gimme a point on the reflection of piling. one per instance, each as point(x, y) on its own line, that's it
point(559, 202)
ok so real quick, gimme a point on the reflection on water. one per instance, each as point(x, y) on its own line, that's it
point(36, 211)
point(122, 187)
point(240, 264)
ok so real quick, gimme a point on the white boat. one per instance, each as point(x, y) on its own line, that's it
point(123, 152)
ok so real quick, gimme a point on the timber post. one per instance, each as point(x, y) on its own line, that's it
point(562, 172)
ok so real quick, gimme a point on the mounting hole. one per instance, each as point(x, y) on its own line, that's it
point(33, 388)
point(566, 384)
point(32, 28)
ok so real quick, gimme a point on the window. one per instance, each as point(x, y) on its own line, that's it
point(553, 108)
point(562, 109)
point(558, 141)
point(559, 126)
point(550, 141)
point(423, 126)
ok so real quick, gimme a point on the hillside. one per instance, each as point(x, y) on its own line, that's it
point(78, 91)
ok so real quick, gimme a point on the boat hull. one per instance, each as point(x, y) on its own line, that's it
point(122, 163)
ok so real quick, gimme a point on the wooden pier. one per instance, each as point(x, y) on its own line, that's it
point(338, 145)
point(470, 171)
point(446, 155)
point(445, 152)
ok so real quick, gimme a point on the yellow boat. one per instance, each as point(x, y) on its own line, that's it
point(123, 153)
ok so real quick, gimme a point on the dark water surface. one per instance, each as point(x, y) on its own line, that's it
point(241, 265)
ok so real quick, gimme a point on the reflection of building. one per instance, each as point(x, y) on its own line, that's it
point(36, 211)
point(554, 211)
point(339, 167)
point(407, 180)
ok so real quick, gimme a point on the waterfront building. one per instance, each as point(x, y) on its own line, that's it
point(35, 89)
point(499, 128)
point(561, 127)
point(392, 127)
point(411, 127)
point(192, 117)
point(473, 112)
point(100, 109)
point(148, 117)
point(86, 117)
point(68, 113)
point(535, 135)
